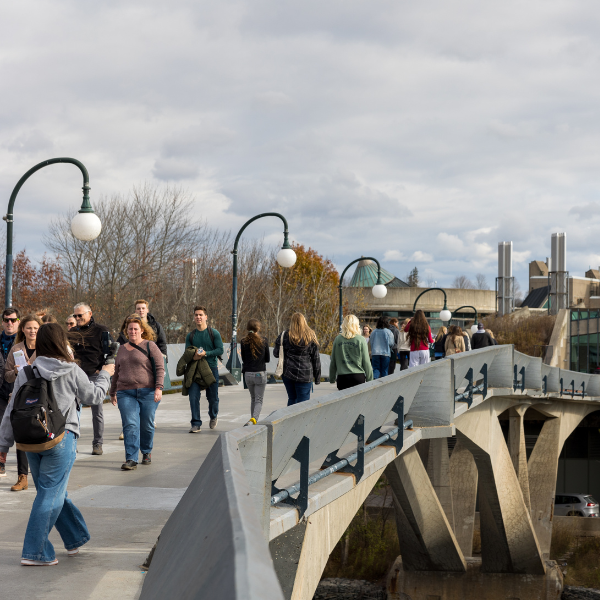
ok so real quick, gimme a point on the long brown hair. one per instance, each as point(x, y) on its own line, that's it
point(300, 333)
point(254, 339)
point(52, 342)
point(26, 319)
point(418, 332)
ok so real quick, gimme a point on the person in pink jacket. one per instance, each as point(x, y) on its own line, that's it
point(419, 335)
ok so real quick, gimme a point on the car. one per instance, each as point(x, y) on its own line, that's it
point(575, 505)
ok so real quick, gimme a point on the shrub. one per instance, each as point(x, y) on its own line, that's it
point(529, 334)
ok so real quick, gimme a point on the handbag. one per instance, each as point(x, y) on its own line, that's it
point(150, 357)
point(279, 369)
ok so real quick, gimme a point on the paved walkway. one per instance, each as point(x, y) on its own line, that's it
point(124, 511)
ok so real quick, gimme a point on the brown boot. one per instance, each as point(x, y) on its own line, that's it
point(21, 484)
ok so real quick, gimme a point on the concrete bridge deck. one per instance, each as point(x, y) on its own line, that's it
point(123, 523)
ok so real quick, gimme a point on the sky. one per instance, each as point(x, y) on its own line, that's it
point(422, 133)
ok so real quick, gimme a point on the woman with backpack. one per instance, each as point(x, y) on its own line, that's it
point(419, 335)
point(301, 360)
point(25, 346)
point(255, 355)
point(137, 389)
point(455, 342)
point(350, 364)
point(51, 462)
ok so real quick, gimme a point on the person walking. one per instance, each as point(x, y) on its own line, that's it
point(210, 346)
point(255, 356)
point(136, 388)
point(481, 339)
point(51, 468)
point(90, 348)
point(393, 327)
point(366, 332)
point(301, 360)
point(160, 338)
point(10, 324)
point(491, 334)
point(70, 322)
point(466, 338)
point(403, 346)
point(24, 349)
point(438, 345)
point(350, 364)
point(455, 342)
point(419, 334)
point(382, 342)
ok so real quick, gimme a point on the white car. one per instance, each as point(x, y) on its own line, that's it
point(575, 505)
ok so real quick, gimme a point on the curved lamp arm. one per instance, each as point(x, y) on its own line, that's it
point(466, 306)
point(431, 290)
point(341, 317)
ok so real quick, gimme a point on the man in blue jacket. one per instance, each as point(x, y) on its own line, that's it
point(210, 346)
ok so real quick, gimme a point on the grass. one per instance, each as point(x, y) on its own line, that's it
point(562, 541)
point(583, 567)
point(529, 335)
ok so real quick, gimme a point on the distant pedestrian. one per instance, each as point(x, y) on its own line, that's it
point(70, 322)
point(466, 338)
point(209, 345)
point(455, 343)
point(491, 333)
point(419, 334)
point(350, 364)
point(136, 388)
point(10, 324)
point(438, 345)
point(51, 468)
point(393, 327)
point(301, 359)
point(404, 346)
point(382, 342)
point(481, 339)
point(24, 349)
point(366, 332)
point(255, 356)
point(142, 309)
point(90, 342)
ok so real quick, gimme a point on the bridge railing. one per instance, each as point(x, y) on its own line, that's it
point(217, 538)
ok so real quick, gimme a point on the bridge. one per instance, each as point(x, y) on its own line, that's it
point(270, 502)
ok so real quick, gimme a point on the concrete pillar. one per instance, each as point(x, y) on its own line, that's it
point(463, 475)
point(427, 542)
point(516, 446)
point(543, 463)
point(438, 469)
point(508, 541)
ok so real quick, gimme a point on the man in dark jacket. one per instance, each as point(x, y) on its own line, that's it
point(481, 339)
point(393, 327)
point(90, 349)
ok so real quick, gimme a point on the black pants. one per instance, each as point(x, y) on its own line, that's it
point(392, 366)
point(22, 462)
point(347, 381)
point(404, 358)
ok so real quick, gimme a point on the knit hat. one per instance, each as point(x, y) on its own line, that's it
point(480, 327)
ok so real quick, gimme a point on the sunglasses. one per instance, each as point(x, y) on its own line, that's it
point(81, 316)
point(9, 320)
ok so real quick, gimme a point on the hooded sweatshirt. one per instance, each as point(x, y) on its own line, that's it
point(68, 382)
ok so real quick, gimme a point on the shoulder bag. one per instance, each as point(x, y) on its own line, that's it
point(150, 357)
point(279, 369)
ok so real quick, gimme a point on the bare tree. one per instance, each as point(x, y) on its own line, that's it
point(462, 282)
point(481, 282)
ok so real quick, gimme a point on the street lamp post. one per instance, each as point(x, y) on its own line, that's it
point(445, 314)
point(474, 326)
point(85, 225)
point(286, 257)
point(379, 290)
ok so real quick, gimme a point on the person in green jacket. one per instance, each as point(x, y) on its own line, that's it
point(350, 364)
point(210, 346)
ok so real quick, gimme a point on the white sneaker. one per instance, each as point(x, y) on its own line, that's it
point(73, 552)
point(38, 563)
point(213, 422)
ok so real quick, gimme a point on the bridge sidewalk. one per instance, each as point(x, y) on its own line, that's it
point(124, 511)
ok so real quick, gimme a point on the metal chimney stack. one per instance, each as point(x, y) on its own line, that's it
point(557, 274)
point(505, 294)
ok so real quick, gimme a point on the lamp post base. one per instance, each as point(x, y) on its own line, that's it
point(237, 373)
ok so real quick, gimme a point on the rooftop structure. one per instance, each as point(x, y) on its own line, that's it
point(365, 275)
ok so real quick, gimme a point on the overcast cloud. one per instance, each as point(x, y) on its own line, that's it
point(423, 133)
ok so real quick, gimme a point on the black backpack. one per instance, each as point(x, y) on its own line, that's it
point(37, 422)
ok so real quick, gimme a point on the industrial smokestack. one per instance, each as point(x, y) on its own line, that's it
point(506, 295)
point(559, 293)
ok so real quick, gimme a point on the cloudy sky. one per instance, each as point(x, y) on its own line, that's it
point(419, 132)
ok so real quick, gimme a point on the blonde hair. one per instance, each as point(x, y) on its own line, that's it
point(404, 324)
point(490, 332)
point(300, 333)
point(350, 327)
point(147, 331)
point(441, 333)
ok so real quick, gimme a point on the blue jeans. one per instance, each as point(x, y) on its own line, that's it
point(52, 508)
point(212, 395)
point(137, 408)
point(380, 365)
point(297, 391)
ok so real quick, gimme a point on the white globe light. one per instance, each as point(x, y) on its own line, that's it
point(445, 315)
point(286, 257)
point(473, 328)
point(86, 226)
point(379, 291)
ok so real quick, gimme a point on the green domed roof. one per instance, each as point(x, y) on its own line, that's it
point(366, 276)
